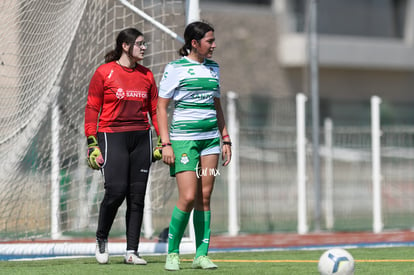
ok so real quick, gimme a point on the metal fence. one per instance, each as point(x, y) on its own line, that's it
point(267, 189)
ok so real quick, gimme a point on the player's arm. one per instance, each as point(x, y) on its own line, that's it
point(92, 109)
point(162, 115)
point(226, 150)
point(168, 84)
point(153, 103)
point(94, 104)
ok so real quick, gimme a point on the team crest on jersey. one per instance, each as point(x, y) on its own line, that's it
point(184, 159)
point(120, 94)
point(213, 72)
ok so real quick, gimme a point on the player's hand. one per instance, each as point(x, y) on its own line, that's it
point(95, 159)
point(157, 152)
point(226, 153)
point(168, 156)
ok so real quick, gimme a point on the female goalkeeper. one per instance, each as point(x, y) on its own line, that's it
point(121, 95)
point(192, 146)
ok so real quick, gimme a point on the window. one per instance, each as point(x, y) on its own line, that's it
point(369, 18)
point(255, 2)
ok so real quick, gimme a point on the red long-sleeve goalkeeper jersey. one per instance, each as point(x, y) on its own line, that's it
point(121, 99)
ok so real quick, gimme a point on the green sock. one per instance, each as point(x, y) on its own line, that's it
point(179, 221)
point(201, 220)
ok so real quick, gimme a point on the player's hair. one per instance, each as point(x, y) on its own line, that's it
point(125, 36)
point(195, 30)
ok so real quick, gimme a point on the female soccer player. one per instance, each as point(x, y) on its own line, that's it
point(192, 146)
point(121, 94)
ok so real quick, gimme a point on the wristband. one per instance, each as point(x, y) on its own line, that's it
point(226, 136)
point(227, 143)
point(166, 144)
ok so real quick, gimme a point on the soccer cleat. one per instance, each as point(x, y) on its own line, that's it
point(101, 251)
point(203, 262)
point(134, 258)
point(173, 262)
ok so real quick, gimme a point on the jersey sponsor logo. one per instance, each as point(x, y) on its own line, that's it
point(137, 94)
point(184, 159)
point(202, 96)
point(120, 94)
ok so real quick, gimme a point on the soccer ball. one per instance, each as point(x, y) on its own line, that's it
point(336, 261)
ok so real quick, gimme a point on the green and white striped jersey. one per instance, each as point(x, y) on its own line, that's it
point(193, 87)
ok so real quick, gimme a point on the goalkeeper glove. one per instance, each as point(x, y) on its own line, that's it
point(157, 153)
point(95, 159)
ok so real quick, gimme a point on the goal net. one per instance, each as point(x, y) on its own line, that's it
point(48, 52)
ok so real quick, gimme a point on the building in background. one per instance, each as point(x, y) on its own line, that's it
point(366, 48)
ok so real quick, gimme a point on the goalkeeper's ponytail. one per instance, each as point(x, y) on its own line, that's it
point(125, 36)
point(195, 30)
point(112, 56)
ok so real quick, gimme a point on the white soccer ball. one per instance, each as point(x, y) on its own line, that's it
point(336, 261)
